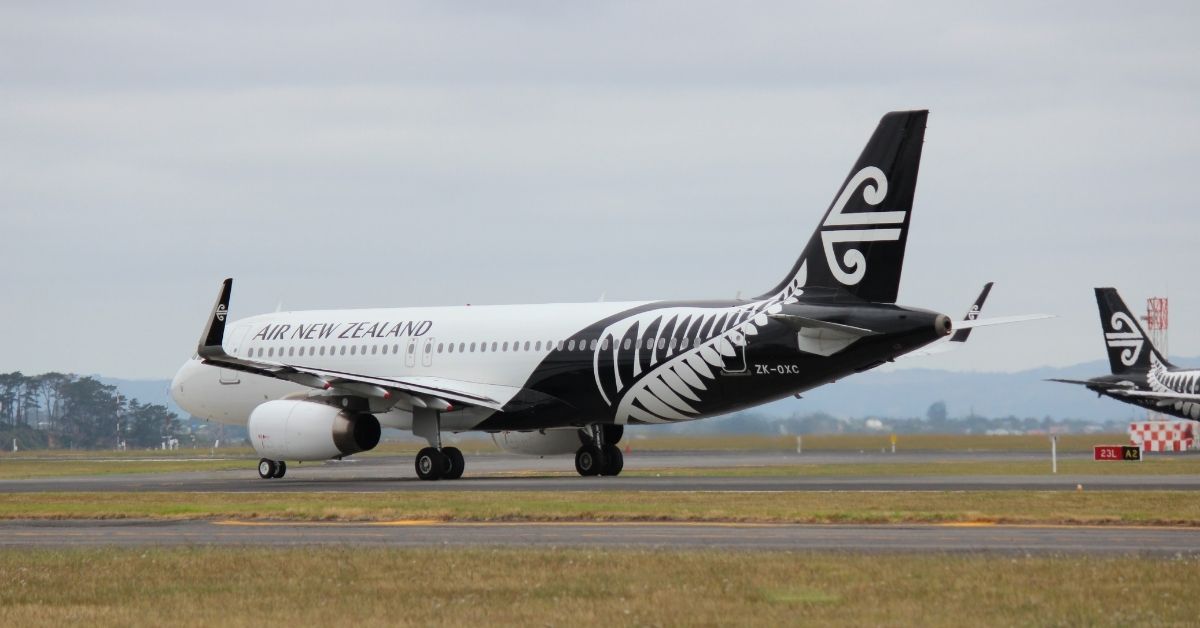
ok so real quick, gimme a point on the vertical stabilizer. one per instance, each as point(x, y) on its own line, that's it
point(859, 245)
point(1129, 349)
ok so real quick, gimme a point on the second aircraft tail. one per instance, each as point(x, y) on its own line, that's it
point(1129, 349)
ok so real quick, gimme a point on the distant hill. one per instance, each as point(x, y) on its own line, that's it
point(909, 392)
point(891, 393)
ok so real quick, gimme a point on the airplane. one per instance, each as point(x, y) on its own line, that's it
point(560, 378)
point(1140, 374)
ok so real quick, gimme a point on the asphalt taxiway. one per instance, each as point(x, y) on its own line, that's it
point(855, 538)
point(493, 472)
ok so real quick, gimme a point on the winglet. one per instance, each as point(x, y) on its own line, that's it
point(972, 314)
point(214, 332)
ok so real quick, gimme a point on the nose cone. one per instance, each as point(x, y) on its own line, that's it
point(184, 380)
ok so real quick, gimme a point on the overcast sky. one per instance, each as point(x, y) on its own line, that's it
point(431, 153)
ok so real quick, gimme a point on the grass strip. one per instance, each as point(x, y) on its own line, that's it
point(248, 586)
point(1159, 465)
point(1176, 508)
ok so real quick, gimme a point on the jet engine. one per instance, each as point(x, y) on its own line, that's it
point(305, 430)
point(551, 442)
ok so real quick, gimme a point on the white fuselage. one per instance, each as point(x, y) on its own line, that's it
point(494, 348)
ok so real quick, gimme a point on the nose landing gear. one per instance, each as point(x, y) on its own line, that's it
point(268, 469)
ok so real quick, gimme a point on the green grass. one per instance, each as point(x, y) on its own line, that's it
point(509, 587)
point(1042, 507)
point(1071, 443)
point(23, 469)
point(1152, 466)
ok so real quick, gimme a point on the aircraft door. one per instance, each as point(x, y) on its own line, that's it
point(239, 333)
point(735, 364)
point(410, 353)
point(427, 353)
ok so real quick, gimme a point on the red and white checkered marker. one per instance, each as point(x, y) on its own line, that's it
point(1163, 435)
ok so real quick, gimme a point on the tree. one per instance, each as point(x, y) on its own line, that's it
point(936, 412)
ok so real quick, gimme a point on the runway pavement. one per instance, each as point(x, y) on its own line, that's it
point(856, 538)
point(490, 472)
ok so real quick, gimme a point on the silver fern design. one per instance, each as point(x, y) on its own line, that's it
point(1162, 380)
point(1125, 335)
point(683, 349)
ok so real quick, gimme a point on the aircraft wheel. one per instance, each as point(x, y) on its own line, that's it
point(266, 469)
point(280, 469)
point(431, 464)
point(587, 460)
point(614, 460)
point(455, 464)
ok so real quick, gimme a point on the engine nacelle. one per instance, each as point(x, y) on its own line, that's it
point(304, 430)
point(551, 442)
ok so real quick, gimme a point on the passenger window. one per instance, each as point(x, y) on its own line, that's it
point(493, 346)
point(571, 345)
point(271, 352)
point(472, 347)
point(537, 346)
point(374, 349)
point(412, 348)
point(483, 347)
point(560, 345)
point(662, 343)
point(625, 344)
point(460, 347)
point(322, 350)
point(383, 349)
point(428, 347)
point(504, 346)
point(440, 345)
point(527, 345)
point(592, 344)
point(353, 349)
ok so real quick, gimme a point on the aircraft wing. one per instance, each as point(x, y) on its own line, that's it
point(438, 393)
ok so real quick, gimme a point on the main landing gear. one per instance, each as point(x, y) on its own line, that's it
point(599, 454)
point(435, 462)
point(444, 464)
point(268, 469)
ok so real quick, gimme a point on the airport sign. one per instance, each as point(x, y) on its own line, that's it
point(1118, 452)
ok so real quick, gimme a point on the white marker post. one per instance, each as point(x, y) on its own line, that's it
point(1054, 454)
point(799, 444)
point(893, 443)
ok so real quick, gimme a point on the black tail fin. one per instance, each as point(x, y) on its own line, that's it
point(1129, 349)
point(859, 246)
point(972, 314)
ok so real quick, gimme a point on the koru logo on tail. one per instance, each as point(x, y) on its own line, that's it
point(221, 312)
point(974, 313)
point(1125, 335)
point(853, 264)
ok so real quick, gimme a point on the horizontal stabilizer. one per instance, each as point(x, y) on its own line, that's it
point(999, 320)
point(1081, 382)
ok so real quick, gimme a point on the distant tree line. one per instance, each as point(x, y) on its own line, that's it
point(63, 411)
